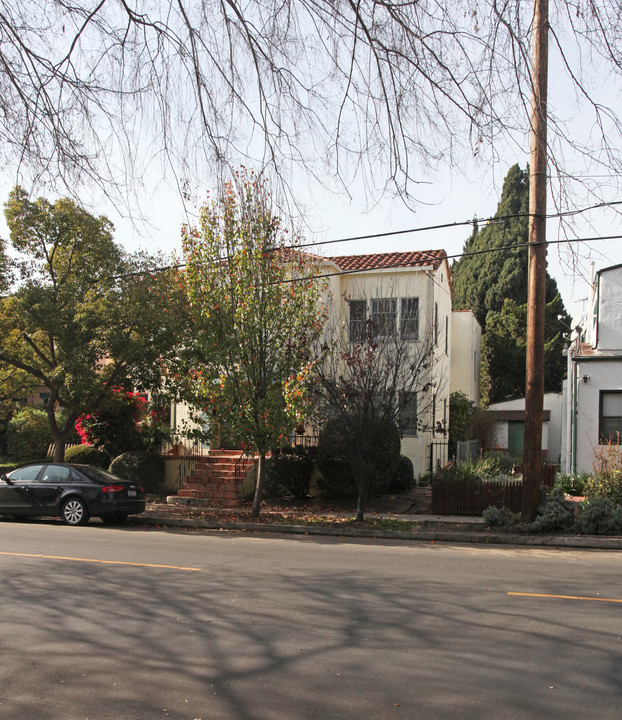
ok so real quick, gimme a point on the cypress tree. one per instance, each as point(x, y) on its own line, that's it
point(491, 280)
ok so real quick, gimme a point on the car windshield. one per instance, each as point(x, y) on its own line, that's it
point(99, 475)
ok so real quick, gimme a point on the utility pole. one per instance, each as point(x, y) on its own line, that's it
point(536, 290)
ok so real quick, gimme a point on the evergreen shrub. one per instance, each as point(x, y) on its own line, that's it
point(555, 513)
point(87, 455)
point(288, 475)
point(335, 460)
point(599, 517)
point(404, 477)
point(141, 467)
point(28, 434)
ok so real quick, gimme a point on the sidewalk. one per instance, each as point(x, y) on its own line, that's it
point(425, 527)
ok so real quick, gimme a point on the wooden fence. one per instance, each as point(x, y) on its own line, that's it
point(460, 497)
point(457, 497)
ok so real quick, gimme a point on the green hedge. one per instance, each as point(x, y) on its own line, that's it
point(87, 455)
point(288, 475)
point(28, 434)
point(141, 467)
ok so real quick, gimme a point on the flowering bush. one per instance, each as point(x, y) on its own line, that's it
point(116, 426)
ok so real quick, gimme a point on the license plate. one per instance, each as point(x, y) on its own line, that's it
point(131, 493)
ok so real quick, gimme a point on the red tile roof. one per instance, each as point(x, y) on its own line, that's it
point(381, 261)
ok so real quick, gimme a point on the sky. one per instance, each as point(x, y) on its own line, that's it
point(450, 197)
point(451, 194)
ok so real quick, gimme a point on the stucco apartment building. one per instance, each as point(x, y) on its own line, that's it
point(409, 293)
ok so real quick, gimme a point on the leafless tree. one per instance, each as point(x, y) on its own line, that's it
point(101, 90)
point(381, 371)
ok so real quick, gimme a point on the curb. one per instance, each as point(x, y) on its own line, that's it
point(474, 538)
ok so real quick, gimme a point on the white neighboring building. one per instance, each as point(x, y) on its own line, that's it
point(466, 350)
point(509, 429)
point(593, 389)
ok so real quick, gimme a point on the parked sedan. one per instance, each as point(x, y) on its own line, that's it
point(73, 492)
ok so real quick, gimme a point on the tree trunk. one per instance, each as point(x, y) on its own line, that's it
point(362, 499)
point(261, 469)
point(58, 435)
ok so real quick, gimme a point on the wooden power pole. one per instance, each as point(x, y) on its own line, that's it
point(536, 290)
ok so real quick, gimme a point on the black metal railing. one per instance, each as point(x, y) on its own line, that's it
point(303, 442)
point(437, 455)
point(192, 453)
point(242, 465)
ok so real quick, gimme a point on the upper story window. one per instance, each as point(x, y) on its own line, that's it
point(409, 320)
point(387, 318)
point(384, 317)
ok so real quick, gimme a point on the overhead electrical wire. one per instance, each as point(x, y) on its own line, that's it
point(496, 220)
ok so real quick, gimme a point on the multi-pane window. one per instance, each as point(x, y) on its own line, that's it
point(408, 413)
point(358, 320)
point(610, 421)
point(409, 318)
point(384, 317)
point(387, 317)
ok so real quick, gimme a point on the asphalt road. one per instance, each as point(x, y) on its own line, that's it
point(119, 623)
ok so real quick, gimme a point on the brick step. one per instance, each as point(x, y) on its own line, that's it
point(218, 502)
point(213, 487)
point(208, 494)
point(212, 470)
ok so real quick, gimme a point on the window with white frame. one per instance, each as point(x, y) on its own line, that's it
point(610, 420)
point(387, 316)
point(408, 414)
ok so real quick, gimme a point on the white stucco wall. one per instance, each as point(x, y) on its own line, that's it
point(600, 375)
point(466, 341)
point(609, 310)
point(431, 287)
point(551, 429)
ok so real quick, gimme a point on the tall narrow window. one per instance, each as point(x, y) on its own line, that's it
point(408, 414)
point(446, 334)
point(409, 318)
point(358, 320)
point(434, 414)
point(384, 317)
point(436, 323)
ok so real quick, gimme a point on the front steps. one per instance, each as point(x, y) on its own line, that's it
point(212, 482)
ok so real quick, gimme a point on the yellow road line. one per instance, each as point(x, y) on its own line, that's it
point(566, 597)
point(104, 562)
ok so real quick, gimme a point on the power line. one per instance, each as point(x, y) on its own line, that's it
point(516, 246)
point(494, 220)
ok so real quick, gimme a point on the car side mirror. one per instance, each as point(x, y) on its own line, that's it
point(6, 479)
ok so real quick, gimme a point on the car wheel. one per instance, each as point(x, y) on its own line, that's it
point(75, 512)
point(114, 519)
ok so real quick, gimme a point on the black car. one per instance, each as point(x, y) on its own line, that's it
point(73, 492)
